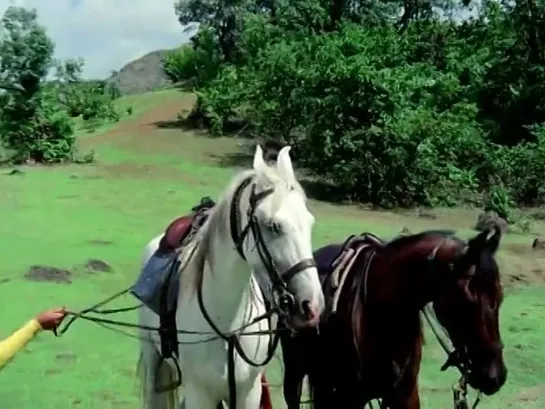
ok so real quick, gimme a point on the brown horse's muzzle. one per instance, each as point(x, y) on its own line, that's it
point(490, 378)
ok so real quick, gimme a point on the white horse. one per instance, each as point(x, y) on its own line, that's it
point(273, 229)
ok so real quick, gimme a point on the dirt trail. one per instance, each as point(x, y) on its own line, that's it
point(142, 124)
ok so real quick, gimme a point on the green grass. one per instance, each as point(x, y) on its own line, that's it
point(55, 215)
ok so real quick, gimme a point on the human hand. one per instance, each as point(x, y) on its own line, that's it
point(49, 320)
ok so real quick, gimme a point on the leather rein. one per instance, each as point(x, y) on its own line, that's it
point(282, 305)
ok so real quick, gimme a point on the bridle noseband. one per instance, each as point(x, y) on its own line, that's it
point(279, 280)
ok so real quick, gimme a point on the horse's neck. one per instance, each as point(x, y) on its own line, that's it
point(393, 315)
point(402, 285)
point(226, 284)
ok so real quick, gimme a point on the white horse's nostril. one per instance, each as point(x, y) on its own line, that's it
point(307, 311)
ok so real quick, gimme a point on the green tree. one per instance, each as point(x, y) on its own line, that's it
point(92, 100)
point(31, 125)
point(396, 102)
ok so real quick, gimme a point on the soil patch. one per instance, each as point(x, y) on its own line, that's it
point(528, 395)
point(520, 248)
point(48, 273)
point(15, 172)
point(141, 170)
point(121, 404)
point(100, 242)
point(142, 125)
point(65, 357)
point(521, 265)
point(97, 266)
point(104, 395)
point(426, 214)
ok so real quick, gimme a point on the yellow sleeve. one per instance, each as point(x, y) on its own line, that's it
point(14, 343)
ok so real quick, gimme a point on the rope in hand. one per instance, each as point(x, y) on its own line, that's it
point(110, 323)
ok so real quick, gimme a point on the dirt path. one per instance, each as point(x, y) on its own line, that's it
point(142, 124)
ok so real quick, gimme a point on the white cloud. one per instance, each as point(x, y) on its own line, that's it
point(106, 33)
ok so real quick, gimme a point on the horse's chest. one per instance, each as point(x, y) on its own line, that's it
point(207, 356)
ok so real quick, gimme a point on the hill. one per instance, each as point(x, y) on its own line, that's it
point(141, 75)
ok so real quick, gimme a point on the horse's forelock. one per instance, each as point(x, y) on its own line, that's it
point(219, 219)
point(269, 178)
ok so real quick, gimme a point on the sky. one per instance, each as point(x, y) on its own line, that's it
point(107, 34)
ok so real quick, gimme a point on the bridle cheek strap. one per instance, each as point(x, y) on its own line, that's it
point(279, 281)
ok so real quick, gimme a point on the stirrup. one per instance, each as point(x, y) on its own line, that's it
point(177, 381)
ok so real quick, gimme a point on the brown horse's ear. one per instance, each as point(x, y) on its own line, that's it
point(488, 241)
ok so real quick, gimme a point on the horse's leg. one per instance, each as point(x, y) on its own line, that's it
point(321, 391)
point(249, 398)
point(293, 372)
point(153, 371)
point(293, 388)
point(406, 401)
point(350, 392)
point(413, 400)
point(197, 398)
point(407, 396)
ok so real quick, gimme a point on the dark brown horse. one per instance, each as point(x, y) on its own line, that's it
point(372, 343)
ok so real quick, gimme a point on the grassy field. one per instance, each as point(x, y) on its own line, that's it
point(147, 173)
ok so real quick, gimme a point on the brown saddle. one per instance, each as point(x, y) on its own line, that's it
point(351, 246)
point(181, 228)
point(343, 263)
point(175, 233)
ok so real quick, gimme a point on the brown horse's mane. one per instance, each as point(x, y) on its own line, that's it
point(487, 277)
point(402, 241)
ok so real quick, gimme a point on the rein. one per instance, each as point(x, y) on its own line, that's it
point(282, 306)
point(456, 359)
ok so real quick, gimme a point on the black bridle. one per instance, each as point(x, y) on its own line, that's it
point(283, 302)
point(279, 280)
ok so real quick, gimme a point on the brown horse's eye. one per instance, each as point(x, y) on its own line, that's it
point(469, 293)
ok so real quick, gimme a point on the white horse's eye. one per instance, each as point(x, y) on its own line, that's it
point(274, 228)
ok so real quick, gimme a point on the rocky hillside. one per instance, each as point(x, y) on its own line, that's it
point(141, 75)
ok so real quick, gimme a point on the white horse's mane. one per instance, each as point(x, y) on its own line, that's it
point(219, 218)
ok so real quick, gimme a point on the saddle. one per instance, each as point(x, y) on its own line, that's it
point(184, 227)
point(158, 285)
point(343, 262)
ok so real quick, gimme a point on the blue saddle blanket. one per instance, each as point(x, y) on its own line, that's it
point(159, 278)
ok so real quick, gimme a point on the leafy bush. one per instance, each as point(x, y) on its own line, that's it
point(199, 62)
point(393, 110)
point(92, 100)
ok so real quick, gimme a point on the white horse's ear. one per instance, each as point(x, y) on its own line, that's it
point(259, 162)
point(283, 163)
